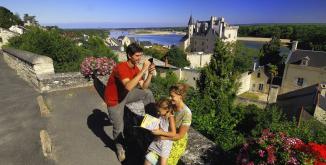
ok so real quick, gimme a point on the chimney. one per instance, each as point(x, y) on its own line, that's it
point(294, 46)
point(255, 60)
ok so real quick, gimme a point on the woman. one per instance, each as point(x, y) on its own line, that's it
point(182, 116)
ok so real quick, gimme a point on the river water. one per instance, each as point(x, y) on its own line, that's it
point(173, 39)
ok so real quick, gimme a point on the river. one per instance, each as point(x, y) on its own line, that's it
point(173, 39)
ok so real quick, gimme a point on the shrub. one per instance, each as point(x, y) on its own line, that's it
point(97, 66)
point(278, 148)
point(65, 53)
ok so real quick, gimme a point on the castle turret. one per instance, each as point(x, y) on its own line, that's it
point(191, 25)
point(213, 20)
point(221, 27)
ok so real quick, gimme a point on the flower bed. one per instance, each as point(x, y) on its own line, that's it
point(278, 148)
point(92, 66)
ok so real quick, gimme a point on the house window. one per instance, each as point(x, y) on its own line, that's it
point(0, 39)
point(229, 35)
point(258, 74)
point(300, 81)
point(261, 87)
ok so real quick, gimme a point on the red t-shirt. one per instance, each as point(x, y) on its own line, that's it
point(115, 91)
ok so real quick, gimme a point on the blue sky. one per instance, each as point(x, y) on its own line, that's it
point(138, 13)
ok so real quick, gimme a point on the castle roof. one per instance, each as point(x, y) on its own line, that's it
point(191, 21)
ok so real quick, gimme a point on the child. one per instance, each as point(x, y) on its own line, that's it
point(161, 148)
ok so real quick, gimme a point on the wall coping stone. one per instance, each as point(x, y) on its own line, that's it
point(29, 57)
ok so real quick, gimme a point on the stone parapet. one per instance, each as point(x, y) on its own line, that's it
point(38, 71)
point(29, 66)
point(64, 81)
point(200, 150)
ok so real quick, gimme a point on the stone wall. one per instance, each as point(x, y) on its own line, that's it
point(29, 66)
point(310, 75)
point(200, 150)
point(199, 59)
point(64, 81)
point(38, 71)
point(245, 81)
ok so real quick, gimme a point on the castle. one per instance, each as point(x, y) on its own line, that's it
point(201, 35)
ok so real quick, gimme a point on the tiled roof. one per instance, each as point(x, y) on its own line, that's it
point(306, 98)
point(316, 58)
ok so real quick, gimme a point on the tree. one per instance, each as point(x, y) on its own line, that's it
point(97, 48)
point(31, 19)
point(177, 57)
point(271, 52)
point(156, 51)
point(216, 115)
point(272, 71)
point(244, 57)
point(160, 85)
point(65, 53)
point(8, 18)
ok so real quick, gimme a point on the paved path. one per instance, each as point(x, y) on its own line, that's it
point(79, 128)
point(20, 121)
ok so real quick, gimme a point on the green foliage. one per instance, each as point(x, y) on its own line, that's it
point(214, 113)
point(244, 57)
point(249, 95)
point(156, 51)
point(160, 85)
point(96, 47)
point(255, 120)
point(271, 52)
point(8, 18)
point(64, 52)
point(31, 19)
point(177, 57)
point(102, 33)
point(310, 37)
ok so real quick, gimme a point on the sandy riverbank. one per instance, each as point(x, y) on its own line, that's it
point(259, 39)
point(154, 32)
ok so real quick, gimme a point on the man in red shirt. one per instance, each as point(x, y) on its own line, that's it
point(122, 88)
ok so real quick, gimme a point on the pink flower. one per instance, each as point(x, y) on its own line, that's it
point(100, 66)
point(261, 153)
point(293, 161)
point(271, 158)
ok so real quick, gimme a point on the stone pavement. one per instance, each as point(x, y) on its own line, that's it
point(20, 121)
point(79, 128)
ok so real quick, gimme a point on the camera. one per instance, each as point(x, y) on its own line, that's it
point(151, 60)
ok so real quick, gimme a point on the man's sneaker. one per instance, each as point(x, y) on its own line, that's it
point(120, 153)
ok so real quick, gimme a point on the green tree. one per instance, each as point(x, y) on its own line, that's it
point(244, 57)
point(64, 52)
point(96, 47)
point(156, 51)
point(8, 18)
point(272, 70)
point(177, 57)
point(214, 112)
point(273, 119)
point(271, 52)
point(160, 85)
point(31, 19)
